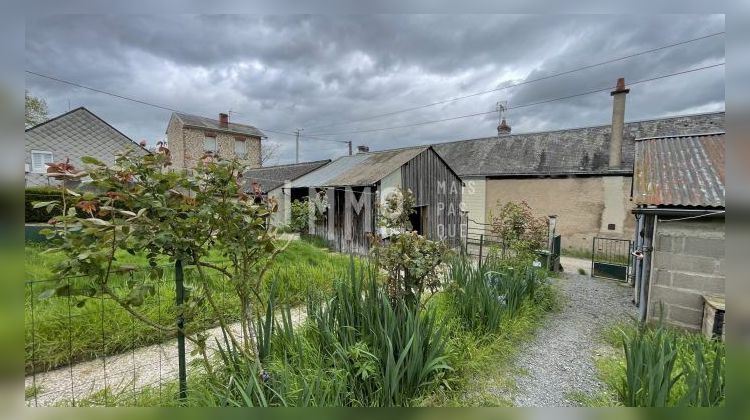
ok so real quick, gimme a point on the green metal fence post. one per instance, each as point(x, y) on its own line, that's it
point(180, 300)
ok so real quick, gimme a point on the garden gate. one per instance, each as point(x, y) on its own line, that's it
point(610, 258)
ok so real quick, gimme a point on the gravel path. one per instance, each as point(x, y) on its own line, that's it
point(125, 373)
point(560, 359)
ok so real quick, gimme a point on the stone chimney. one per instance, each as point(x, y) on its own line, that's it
point(363, 149)
point(503, 129)
point(618, 123)
point(223, 119)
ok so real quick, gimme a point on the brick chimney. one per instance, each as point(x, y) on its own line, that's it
point(363, 149)
point(223, 119)
point(618, 123)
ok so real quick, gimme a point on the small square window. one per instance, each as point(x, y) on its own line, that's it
point(240, 147)
point(611, 226)
point(209, 144)
point(39, 161)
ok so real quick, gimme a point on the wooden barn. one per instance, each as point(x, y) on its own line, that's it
point(355, 186)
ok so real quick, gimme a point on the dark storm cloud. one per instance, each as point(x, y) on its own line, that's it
point(288, 72)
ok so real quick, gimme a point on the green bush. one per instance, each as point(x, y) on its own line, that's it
point(35, 194)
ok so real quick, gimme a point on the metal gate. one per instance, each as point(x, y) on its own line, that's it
point(611, 258)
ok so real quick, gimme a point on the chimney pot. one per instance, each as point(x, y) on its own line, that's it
point(620, 87)
point(503, 129)
point(363, 149)
point(223, 119)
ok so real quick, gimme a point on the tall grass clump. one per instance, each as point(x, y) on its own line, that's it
point(482, 296)
point(666, 367)
point(357, 348)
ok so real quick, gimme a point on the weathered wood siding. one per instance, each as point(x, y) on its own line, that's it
point(434, 185)
point(358, 241)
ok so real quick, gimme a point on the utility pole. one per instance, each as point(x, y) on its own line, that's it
point(297, 148)
point(350, 147)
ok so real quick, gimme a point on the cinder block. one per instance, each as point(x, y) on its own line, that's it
point(672, 296)
point(704, 247)
point(662, 276)
point(662, 260)
point(686, 316)
point(694, 264)
point(698, 283)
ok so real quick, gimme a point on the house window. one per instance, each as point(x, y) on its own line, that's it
point(39, 159)
point(240, 147)
point(209, 144)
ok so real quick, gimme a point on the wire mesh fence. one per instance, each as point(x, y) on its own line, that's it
point(93, 350)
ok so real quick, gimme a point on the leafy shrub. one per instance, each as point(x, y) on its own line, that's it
point(519, 229)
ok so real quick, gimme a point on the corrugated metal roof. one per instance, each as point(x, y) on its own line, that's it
point(272, 177)
point(213, 124)
point(360, 169)
point(680, 171)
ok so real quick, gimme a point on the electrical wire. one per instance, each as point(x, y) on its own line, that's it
point(521, 106)
point(166, 108)
point(525, 82)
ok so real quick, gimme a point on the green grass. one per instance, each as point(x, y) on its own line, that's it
point(581, 271)
point(65, 332)
point(484, 373)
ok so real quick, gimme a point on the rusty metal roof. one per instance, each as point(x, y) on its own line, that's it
point(359, 170)
point(680, 170)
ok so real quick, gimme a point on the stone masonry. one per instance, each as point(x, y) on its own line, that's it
point(186, 145)
point(688, 262)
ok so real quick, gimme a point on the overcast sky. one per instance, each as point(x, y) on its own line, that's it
point(321, 72)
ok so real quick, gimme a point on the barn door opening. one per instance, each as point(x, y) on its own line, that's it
point(418, 220)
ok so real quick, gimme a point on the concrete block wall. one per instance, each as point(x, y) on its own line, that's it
point(688, 262)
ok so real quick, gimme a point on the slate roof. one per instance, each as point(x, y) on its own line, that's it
point(75, 134)
point(196, 121)
point(680, 171)
point(359, 170)
point(272, 177)
point(563, 152)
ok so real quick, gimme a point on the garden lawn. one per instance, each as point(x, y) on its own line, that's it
point(61, 330)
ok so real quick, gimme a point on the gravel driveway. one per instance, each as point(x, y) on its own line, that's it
point(560, 358)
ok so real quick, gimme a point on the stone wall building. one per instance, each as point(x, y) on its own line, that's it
point(190, 137)
point(582, 175)
point(678, 190)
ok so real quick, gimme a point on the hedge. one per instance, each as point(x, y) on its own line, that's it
point(40, 215)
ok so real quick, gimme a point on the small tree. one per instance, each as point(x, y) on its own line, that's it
point(521, 231)
point(36, 110)
point(140, 206)
point(410, 260)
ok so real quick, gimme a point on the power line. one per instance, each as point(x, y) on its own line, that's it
point(166, 108)
point(519, 106)
point(525, 82)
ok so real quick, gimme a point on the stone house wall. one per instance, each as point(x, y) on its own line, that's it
point(186, 145)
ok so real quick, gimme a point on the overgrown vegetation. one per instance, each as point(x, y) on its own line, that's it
point(665, 367)
point(101, 326)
